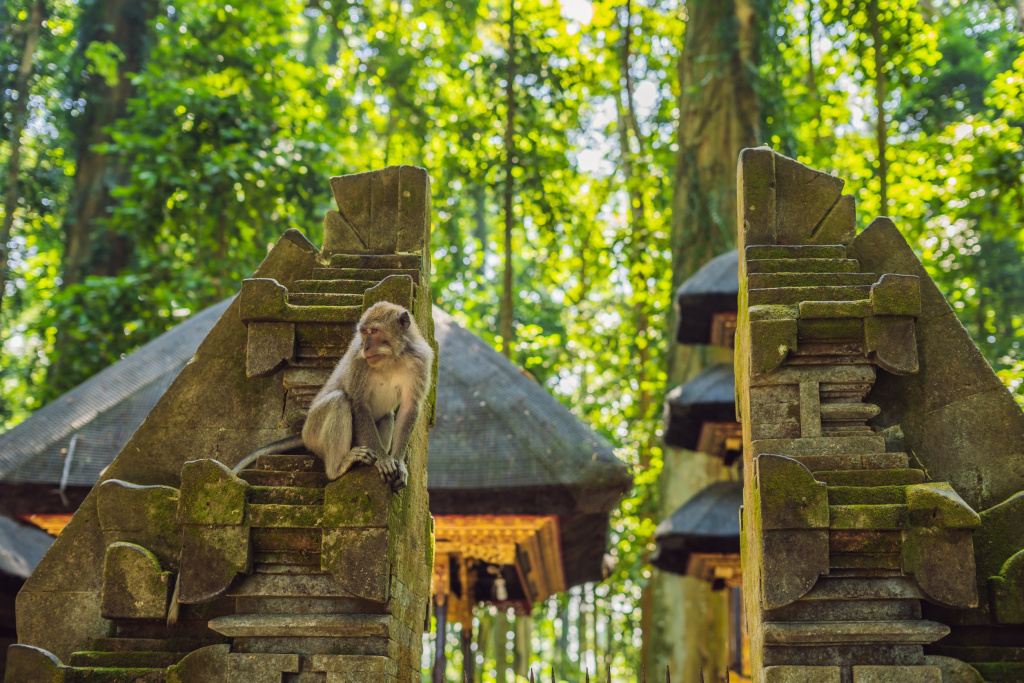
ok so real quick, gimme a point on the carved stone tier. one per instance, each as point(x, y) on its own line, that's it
point(843, 534)
point(280, 575)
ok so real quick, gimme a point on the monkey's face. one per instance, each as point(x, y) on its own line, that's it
point(376, 344)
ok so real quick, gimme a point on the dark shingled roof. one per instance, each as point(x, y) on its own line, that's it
point(21, 547)
point(707, 523)
point(708, 397)
point(712, 289)
point(104, 411)
point(502, 444)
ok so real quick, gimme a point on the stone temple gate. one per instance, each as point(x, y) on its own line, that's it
point(883, 512)
point(281, 574)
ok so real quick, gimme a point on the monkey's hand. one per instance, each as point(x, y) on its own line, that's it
point(364, 455)
point(401, 479)
point(393, 472)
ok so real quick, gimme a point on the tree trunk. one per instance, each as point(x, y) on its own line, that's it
point(505, 319)
point(881, 94)
point(19, 117)
point(89, 249)
point(719, 115)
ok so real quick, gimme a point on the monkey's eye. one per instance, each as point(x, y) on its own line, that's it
point(370, 330)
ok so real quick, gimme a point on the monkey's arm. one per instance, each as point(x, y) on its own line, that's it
point(364, 430)
point(393, 467)
point(286, 444)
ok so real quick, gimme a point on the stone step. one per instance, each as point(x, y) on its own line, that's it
point(849, 411)
point(860, 541)
point(854, 461)
point(278, 478)
point(887, 477)
point(794, 295)
point(777, 251)
point(151, 644)
point(867, 495)
point(285, 539)
point(126, 659)
point(800, 265)
point(868, 517)
point(377, 261)
point(373, 275)
point(828, 588)
point(274, 515)
point(299, 625)
point(331, 286)
point(324, 299)
point(289, 557)
point(286, 568)
point(113, 675)
point(289, 462)
point(287, 586)
point(285, 495)
point(305, 605)
point(906, 632)
point(864, 560)
point(774, 280)
point(847, 610)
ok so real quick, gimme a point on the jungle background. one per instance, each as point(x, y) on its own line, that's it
point(582, 156)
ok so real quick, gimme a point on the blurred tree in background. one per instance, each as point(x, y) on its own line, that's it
point(152, 151)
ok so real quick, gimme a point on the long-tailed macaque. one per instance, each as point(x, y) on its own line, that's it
point(369, 406)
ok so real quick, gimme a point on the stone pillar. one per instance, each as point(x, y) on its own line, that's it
point(279, 574)
point(843, 536)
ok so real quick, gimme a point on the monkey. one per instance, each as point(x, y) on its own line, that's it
point(366, 410)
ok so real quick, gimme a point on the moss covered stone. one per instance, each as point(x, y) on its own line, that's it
point(359, 499)
point(211, 494)
point(135, 586)
point(1007, 591)
point(937, 504)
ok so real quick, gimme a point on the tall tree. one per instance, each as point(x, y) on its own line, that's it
point(30, 29)
point(719, 114)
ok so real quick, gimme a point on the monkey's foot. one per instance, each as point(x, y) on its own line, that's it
point(363, 455)
point(388, 468)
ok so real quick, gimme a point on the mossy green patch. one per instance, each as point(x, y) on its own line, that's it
point(868, 516)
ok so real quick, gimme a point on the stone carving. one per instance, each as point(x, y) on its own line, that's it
point(845, 533)
point(279, 574)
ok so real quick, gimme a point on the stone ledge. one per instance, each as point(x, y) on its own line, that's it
point(292, 625)
point(795, 633)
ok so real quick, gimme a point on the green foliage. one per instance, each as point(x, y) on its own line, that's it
point(241, 113)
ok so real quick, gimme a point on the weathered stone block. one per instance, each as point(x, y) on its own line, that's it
point(359, 499)
point(262, 299)
point(801, 674)
point(1007, 591)
point(791, 562)
point(803, 198)
point(208, 663)
point(245, 667)
point(269, 347)
point(942, 563)
point(896, 295)
point(789, 495)
point(135, 586)
point(211, 494)
point(380, 212)
point(755, 179)
point(26, 664)
point(937, 504)
point(211, 557)
point(891, 343)
point(771, 342)
point(397, 289)
point(358, 561)
point(145, 515)
point(897, 674)
point(840, 225)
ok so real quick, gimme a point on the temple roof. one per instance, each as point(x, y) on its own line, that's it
point(21, 547)
point(708, 397)
point(707, 523)
point(712, 289)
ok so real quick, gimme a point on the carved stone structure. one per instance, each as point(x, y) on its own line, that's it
point(851, 522)
point(281, 575)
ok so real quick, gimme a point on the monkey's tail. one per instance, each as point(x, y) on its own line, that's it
point(284, 445)
point(174, 607)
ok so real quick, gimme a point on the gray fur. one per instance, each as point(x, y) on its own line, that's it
point(365, 413)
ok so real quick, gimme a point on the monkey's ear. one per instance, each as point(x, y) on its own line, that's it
point(404, 320)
